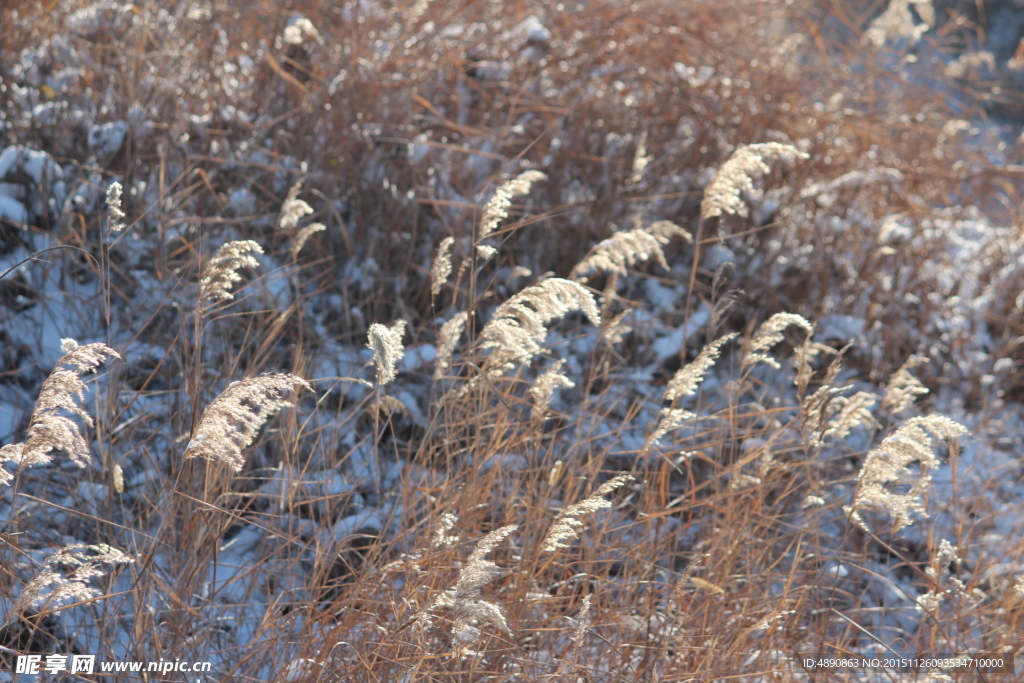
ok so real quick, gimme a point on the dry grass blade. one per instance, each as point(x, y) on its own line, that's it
point(723, 195)
point(519, 325)
point(49, 429)
point(232, 420)
point(886, 470)
point(386, 344)
point(566, 525)
point(222, 271)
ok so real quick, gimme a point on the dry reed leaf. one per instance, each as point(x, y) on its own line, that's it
point(69, 585)
point(386, 344)
point(222, 271)
point(49, 429)
point(723, 194)
point(232, 420)
point(566, 525)
point(707, 585)
point(886, 471)
point(519, 326)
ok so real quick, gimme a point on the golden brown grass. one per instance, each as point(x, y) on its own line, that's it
point(555, 498)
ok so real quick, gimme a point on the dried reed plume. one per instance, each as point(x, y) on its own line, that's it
point(49, 429)
point(623, 249)
point(544, 388)
point(441, 537)
point(836, 416)
point(114, 204)
point(519, 325)
point(386, 344)
point(566, 525)
point(232, 420)
point(496, 210)
point(446, 342)
point(69, 586)
point(688, 378)
point(769, 334)
point(442, 267)
point(293, 209)
point(468, 606)
point(723, 194)
point(903, 388)
point(886, 470)
point(897, 22)
point(303, 236)
point(685, 382)
point(640, 159)
point(222, 270)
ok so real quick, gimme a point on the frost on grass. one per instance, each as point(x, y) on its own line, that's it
point(897, 23)
point(442, 267)
point(903, 388)
point(496, 210)
point(469, 609)
point(886, 481)
point(723, 195)
point(232, 420)
point(519, 326)
point(769, 334)
point(566, 525)
point(54, 587)
point(222, 271)
point(386, 344)
point(543, 390)
point(685, 382)
point(49, 427)
point(293, 209)
point(623, 249)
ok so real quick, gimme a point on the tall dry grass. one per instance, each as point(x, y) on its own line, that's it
point(626, 329)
